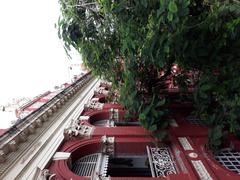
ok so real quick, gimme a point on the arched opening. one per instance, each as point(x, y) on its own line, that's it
point(87, 165)
point(230, 159)
point(110, 118)
point(134, 157)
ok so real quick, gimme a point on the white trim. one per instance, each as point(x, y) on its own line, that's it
point(185, 143)
point(193, 155)
point(61, 156)
point(84, 118)
point(201, 170)
point(51, 138)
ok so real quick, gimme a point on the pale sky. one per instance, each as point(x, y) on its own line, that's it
point(32, 58)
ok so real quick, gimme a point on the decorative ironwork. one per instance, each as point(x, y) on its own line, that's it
point(229, 159)
point(93, 165)
point(161, 163)
point(86, 165)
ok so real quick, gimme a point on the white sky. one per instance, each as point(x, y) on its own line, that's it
point(32, 58)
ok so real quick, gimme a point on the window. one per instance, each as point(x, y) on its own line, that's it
point(129, 166)
point(229, 159)
point(88, 165)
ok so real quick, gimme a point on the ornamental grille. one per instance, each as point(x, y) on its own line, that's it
point(86, 165)
point(160, 161)
point(229, 159)
point(91, 164)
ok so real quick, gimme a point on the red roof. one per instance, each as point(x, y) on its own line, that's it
point(2, 131)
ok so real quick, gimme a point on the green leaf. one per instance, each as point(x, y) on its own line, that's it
point(142, 116)
point(153, 128)
point(147, 110)
point(170, 17)
point(172, 7)
point(160, 11)
point(161, 103)
point(144, 3)
point(183, 12)
point(166, 47)
point(165, 124)
point(117, 8)
point(161, 135)
point(203, 95)
point(206, 87)
point(217, 132)
point(215, 137)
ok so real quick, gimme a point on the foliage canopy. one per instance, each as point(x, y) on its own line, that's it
point(130, 42)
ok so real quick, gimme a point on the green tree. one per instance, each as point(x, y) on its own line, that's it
point(129, 42)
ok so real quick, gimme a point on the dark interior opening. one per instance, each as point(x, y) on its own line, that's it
point(129, 166)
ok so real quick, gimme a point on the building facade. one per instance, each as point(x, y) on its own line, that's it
point(82, 135)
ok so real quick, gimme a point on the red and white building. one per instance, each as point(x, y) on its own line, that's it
point(78, 135)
